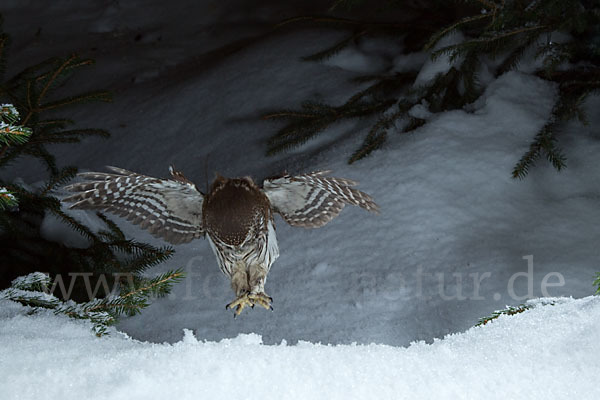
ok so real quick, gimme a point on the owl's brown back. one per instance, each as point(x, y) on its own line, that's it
point(233, 209)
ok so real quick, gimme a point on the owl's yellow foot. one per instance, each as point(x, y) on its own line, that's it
point(262, 299)
point(249, 300)
point(239, 304)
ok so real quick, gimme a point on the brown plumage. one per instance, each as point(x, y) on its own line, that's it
point(236, 215)
point(232, 207)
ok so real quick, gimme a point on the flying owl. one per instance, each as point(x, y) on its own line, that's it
point(236, 215)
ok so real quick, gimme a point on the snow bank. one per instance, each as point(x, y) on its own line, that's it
point(549, 352)
point(454, 227)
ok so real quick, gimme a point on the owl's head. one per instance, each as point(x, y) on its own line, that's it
point(222, 182)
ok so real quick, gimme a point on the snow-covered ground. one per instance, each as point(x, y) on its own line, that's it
point(549, 352)
point(456, 239)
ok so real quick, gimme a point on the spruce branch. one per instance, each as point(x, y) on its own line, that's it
point(47, 136)
point(158, 286)
point(345, 3)
point(543, 144)
point(344, 23)
point(335, 49)
point(27, 77)
point(376, 136)
point(81, 98)
point(66, 65)
point(72, 222)
point(384, 86)
point(60, 123)
point(144, 256)
point(575, 87)
point(514, 310)
point(507, 311)
point(32, 93)
point(435, 38)
point(64, 176)
point(7, 199)
point(515, 55)
point(33, 290)
point(30, 90)
point(10, 133)
point(114, 233)
point(492, 43)
point(316, 117)
point(35, 281)
point(493, 28)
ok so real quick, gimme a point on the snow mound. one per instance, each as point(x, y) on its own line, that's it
point(549, 352)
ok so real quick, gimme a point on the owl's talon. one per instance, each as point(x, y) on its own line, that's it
point(239, 304)
point(262, 300)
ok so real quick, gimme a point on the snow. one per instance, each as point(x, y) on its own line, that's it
point(33, 280)
point(452, 234)
point(456, 239)
point(352, 58)
point(9, 110)
point(548, 352)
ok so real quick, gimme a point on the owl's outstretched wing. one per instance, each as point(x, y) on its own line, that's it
point(312, 200)
point(169, 209)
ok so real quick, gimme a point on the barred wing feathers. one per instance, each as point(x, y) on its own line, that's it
point(312, 200)
point(170, 209)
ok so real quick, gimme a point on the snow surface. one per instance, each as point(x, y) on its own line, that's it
point(549, 352)
point(191, 81)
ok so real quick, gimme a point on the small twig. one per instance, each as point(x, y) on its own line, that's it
point(72, 66)
point(521, 30)
point(52, 79)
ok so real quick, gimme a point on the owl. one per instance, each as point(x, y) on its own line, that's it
point(236, 216)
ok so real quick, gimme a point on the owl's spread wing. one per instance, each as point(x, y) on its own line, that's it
point(312, 200)
point(170, 209)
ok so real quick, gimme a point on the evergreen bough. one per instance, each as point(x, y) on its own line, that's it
point(513, 310)
point(35, 290)
point(510, 310)
point(503, 29)
point(26, 130)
